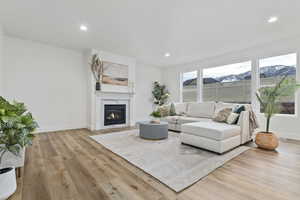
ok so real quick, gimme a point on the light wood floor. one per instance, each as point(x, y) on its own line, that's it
point(68, 165)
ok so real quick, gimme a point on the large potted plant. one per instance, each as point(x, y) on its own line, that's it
point(16, 128)
point(269, 99)
point(160, 94)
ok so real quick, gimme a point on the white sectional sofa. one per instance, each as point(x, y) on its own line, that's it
point(190, 112)
point(194, 121)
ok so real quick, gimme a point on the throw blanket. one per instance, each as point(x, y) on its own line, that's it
point(253, 121)
point(248, 125)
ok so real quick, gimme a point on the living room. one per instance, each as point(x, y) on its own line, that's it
point(149, 100)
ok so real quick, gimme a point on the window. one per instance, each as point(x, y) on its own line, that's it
point(228, 83)
point(189, 86)
point(272, 70)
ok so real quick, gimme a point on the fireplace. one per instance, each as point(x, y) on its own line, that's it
point(114, 114)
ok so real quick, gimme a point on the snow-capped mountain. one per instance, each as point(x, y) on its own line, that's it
point(265, 72)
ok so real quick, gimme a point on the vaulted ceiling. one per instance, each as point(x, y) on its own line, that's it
point(147, 29)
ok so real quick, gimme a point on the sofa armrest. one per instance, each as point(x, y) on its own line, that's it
point(244, 122)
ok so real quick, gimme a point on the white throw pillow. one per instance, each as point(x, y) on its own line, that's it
point(205, 109)
point(232, 118)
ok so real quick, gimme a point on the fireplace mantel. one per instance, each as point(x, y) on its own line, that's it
point(113, 95)
point(114, 92)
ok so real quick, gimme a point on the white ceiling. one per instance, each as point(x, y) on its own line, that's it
point(146, 29)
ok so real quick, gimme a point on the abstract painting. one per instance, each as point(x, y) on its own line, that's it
point(115, 74)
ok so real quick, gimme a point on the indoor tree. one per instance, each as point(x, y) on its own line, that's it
point(160, 94)
point(270, 97)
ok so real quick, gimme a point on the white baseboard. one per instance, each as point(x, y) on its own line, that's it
point(286, 135)
point(58, 128)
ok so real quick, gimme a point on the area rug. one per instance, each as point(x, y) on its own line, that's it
point(176, 165)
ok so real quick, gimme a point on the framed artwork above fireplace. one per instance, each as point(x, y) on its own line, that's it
point(115, 74)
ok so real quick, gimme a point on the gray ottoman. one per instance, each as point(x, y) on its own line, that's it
point(153, 131)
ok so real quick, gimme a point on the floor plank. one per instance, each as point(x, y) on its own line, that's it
point(68, 165)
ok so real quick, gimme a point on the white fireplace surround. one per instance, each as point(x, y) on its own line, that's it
point(103, 98)
point(101, 102)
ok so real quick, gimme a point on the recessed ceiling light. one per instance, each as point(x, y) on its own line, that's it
point(167, 54)
point(83, 28)
point(273, 19)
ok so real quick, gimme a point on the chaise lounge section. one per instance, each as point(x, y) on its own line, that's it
point(194, 121)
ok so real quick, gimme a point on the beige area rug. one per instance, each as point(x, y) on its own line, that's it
point(177, 166)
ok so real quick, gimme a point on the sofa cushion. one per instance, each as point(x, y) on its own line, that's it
point(204, 109)
point(184, 120)
point(180, 108)
point(212, 130)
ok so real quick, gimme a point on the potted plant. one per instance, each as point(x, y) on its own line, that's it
point(16, 127)
point(97, 70)
point(160, 94)
point(156, 117)
point(269, 99)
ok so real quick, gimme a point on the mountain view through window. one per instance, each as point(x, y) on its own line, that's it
point(228, 83)
point(271, 72)
point(232, 83)
point(189, 87)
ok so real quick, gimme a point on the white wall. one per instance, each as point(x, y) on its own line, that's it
point(1, 62)
point(285, 126)
point(145, 76)
point(51, 81)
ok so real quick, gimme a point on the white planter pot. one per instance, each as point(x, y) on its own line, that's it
point(8, 184)
point(10, 160)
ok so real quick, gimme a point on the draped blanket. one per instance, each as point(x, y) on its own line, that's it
point(248, 124)
point(253, 121)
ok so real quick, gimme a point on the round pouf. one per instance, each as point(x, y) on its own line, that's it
point(153, 131)
point(8, 183)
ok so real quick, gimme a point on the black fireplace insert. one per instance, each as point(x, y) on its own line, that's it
point(114, 114)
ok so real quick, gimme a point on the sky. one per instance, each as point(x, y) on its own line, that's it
point(238, 68)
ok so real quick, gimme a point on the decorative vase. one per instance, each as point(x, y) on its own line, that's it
point(8, 184)
point(268, 141)
point(98, 86)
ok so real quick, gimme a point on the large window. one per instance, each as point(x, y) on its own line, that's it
point(189, 86)
point(272, 70)
point(228, 83)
